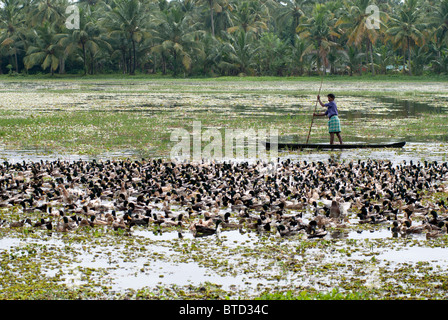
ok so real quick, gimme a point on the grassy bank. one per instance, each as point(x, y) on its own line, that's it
point(146, 77)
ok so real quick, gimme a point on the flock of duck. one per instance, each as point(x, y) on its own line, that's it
point(285, 198)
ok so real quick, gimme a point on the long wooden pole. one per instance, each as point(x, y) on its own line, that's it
point(315, 108)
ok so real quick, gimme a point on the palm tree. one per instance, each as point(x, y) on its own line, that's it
point(51, 11)
point(289, 14)
point(406, 28)
point(48, 10)
point(249, 16)
point(45, 51)
point(359, 31)
point(120, 48)
point(224, 18)
point(128, 18)
point(212, 48)
point(320, 29)
point(298, 55)
point(440, 63)
point(89, 39)
point(272, 53)
point(440, 21)
point(225, 36)
point(239, 52)
point(89, 3)
point(384, 54)
point(439, 39)
point(214, 6)
point(12, 27)
point(336, 60)
point(353, 59)
point(420, 59)
point(178, 36)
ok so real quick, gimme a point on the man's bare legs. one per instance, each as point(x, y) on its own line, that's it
point(339, 137)
point(332, 137)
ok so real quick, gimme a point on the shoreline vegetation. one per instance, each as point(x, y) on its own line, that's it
point(148, 77)
point(224, 37)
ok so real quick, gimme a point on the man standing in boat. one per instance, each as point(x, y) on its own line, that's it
point(334, 124)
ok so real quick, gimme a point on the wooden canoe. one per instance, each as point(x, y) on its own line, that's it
point(322, 146)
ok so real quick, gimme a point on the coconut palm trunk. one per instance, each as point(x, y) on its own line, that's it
point(133, 58)
point(84, 57)
point(16, 60)
point(212, 22)
point(409, 56)
point(371, 58)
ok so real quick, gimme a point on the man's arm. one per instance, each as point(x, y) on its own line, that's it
point(318, 99)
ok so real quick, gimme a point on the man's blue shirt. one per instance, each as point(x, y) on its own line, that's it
point(332, 109)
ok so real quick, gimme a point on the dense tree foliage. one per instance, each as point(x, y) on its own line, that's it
point(224, 37)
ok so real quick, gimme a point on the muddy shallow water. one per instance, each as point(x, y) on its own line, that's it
point(237, 269)
point(248, 263)
point(415, 151)
point(241, 263)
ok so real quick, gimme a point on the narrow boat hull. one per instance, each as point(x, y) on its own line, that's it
point(323, 146)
